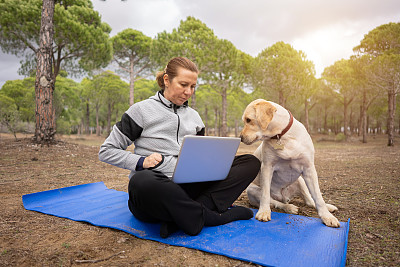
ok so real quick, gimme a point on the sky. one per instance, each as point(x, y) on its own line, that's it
point(326, 31)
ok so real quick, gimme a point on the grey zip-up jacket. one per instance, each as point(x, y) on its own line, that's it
point(154, 125)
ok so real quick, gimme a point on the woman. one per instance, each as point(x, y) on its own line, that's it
point(157, 126)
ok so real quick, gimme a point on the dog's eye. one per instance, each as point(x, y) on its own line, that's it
point(248, 120)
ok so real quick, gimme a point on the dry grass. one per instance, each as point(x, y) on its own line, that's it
point(363, 180)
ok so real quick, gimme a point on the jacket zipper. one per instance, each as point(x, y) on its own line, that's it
point(175, 108)
point(179, 123)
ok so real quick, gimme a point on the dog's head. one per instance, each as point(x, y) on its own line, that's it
point(256, 118)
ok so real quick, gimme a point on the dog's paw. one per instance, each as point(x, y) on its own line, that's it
point(290, 208)
point(331, 221)
point(263, 216)
point(331, 208)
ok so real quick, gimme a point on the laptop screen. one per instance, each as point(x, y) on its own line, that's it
point(205, 158)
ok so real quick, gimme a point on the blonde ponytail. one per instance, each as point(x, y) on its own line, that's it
point(160, 79)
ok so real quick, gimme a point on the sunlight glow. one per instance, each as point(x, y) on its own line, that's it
point(325, 46)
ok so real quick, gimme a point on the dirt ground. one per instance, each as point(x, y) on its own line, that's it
point(362, 180)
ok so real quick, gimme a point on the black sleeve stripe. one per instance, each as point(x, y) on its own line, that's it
point(201, 132)
point(129, 127)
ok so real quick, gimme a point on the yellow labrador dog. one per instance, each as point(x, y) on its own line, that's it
point(287, 162)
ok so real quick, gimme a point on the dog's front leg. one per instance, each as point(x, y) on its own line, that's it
point(264, 212)
point(311, 178)
point(302, 187)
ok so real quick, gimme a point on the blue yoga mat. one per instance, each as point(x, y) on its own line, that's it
point(287, 240)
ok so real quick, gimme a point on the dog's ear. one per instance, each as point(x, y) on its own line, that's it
point(264, 113)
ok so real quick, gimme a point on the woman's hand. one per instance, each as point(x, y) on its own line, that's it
point(152, 160)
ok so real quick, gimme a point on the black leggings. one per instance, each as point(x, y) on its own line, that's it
point(153, 197)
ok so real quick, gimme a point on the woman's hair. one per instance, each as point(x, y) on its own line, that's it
point(172, 69)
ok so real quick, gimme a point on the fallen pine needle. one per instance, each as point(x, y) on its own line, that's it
point(99, 260)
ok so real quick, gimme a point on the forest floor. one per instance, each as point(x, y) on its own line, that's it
point(362, 180)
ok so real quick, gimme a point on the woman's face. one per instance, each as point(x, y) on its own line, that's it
point(180, 89)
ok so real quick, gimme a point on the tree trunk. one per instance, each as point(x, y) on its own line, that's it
point(109, 112)
point(394, 113)
point(193, 102)
point(281, 99)
point(224, 131)
point(364, 117)
point(206, 122)
point(236, 128)
point(87, 122)
point(336, 126)
point(45, 128)
point(345, 120)
point(378, 127)
point(219, 123)
point(351, 126)
point(306, 123)
point(390, 122)
point(360, 121)
point(97, 120)
point(326, 120)
point(216, 122)
point(117, 118)
point(131, 82)
point(399, 125)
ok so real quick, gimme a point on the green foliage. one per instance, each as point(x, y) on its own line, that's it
point(16, 37)
point(384, 39)
point(145, 88)
point(132, 50)
point(280, 72)
point(340, 137)
point(63, 126)
point(385, 71)
point(108, 90)
point(238, 101)
point(220, 63)
point(381, 50)
point(381, 47)
point(225, 66)
point(340, 75)
point(90, 93)
point(67, 104)
point(23, 94)
point(132, 46)
point(81, 40)
point(207, 101)
point(9, 115)
point(111, 88)
point(192, 39)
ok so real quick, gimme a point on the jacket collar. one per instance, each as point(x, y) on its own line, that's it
point(159, 96)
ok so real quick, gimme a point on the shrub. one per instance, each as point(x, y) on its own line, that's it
point(340, 137)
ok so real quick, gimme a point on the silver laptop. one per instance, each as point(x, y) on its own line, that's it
point(205, 158)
